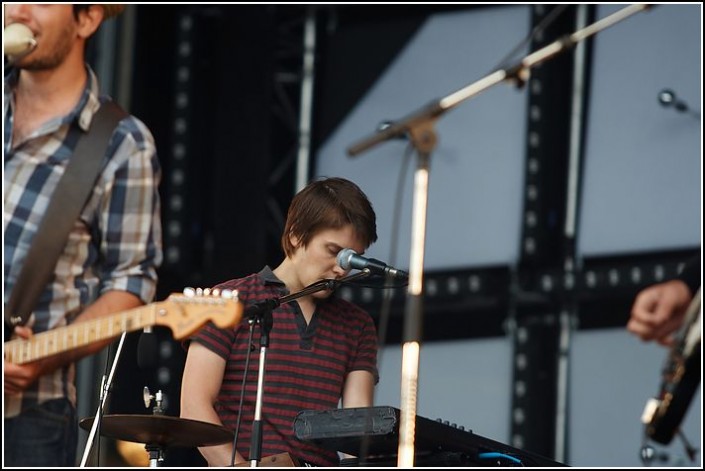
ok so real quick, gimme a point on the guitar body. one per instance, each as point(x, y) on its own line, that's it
point(681, 377)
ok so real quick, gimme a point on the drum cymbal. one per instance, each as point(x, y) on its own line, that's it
point(160, 430)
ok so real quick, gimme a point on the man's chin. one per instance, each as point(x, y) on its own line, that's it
point(324, 294)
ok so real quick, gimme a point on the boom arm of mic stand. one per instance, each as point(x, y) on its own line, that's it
point(258, 309)
point(429, 113)
point(321, 285)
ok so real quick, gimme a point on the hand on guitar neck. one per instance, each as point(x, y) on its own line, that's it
point(659, 310)
point(681, 377)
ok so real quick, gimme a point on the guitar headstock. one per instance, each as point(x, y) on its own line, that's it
point(185, 313)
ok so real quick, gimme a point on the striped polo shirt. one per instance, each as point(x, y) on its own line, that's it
point(306, 365)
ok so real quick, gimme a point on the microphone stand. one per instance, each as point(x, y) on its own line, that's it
point(419, 127)
point(106, 383)
point(262, 314)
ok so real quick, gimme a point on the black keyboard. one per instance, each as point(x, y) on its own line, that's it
point(372, 435)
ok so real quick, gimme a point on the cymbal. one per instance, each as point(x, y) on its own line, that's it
point(160, 430)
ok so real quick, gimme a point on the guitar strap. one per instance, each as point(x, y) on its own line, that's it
point(64, 208)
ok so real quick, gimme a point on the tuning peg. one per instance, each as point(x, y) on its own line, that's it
point(189, 292)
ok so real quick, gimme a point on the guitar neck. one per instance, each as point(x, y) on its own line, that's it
point(77, 335)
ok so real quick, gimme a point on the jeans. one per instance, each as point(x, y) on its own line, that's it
point(45, 435)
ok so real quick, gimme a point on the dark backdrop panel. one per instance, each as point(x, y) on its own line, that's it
point(203, 84)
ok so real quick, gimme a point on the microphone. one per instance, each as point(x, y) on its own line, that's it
point(348, 258)
point(18, 41)
point(147, 350)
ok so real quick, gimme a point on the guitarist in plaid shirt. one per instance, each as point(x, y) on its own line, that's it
point(110, 259)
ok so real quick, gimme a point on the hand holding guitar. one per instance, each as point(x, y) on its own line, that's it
point(19, 377)
point(29, 356)
point(658, 311)
point(680, 378)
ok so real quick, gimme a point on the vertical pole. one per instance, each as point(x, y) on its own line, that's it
point(306, 108)
point(424, 139)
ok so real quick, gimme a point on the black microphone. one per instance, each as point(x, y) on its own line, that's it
point(147, 350)
point(348, 258)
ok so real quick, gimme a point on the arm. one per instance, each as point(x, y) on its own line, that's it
point(201, 382)
point(358, 389)
point(658, 311)
point(20, 377)
point(127, 219)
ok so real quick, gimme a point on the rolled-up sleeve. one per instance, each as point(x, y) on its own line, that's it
point(130, 225)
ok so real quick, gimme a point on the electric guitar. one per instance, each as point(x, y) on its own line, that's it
point(680, 379)
point(184, 314)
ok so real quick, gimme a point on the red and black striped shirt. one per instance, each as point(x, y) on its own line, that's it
point(306, 365)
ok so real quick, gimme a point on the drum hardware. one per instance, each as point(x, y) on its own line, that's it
point(158, 431)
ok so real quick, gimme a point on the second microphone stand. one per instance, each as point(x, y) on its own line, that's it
point(261, 313)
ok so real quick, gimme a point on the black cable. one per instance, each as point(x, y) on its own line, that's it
point(242, 390)
point(386, 306)
point(690, 450)
point(385, 309)
point(543, 24)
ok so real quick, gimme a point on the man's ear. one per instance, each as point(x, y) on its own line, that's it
point(294, 240)
point(89, 19)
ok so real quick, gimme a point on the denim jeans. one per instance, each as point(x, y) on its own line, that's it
point(45, 435)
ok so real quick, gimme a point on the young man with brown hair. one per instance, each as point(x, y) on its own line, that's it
point(321, 349)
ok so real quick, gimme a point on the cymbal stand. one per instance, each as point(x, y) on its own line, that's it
point(262, 314)
point(156, 454)
point(156, 451)
point(104, 390)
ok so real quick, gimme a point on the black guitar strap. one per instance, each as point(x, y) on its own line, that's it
point(65, 206)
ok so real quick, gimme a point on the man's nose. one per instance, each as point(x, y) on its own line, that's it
point(339, 271)
point(17, 13)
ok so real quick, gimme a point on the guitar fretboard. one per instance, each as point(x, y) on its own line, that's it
point(78, 335)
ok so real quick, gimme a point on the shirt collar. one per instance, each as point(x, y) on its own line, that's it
point(84, 110)
point(269, 277)
point(89, 103)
